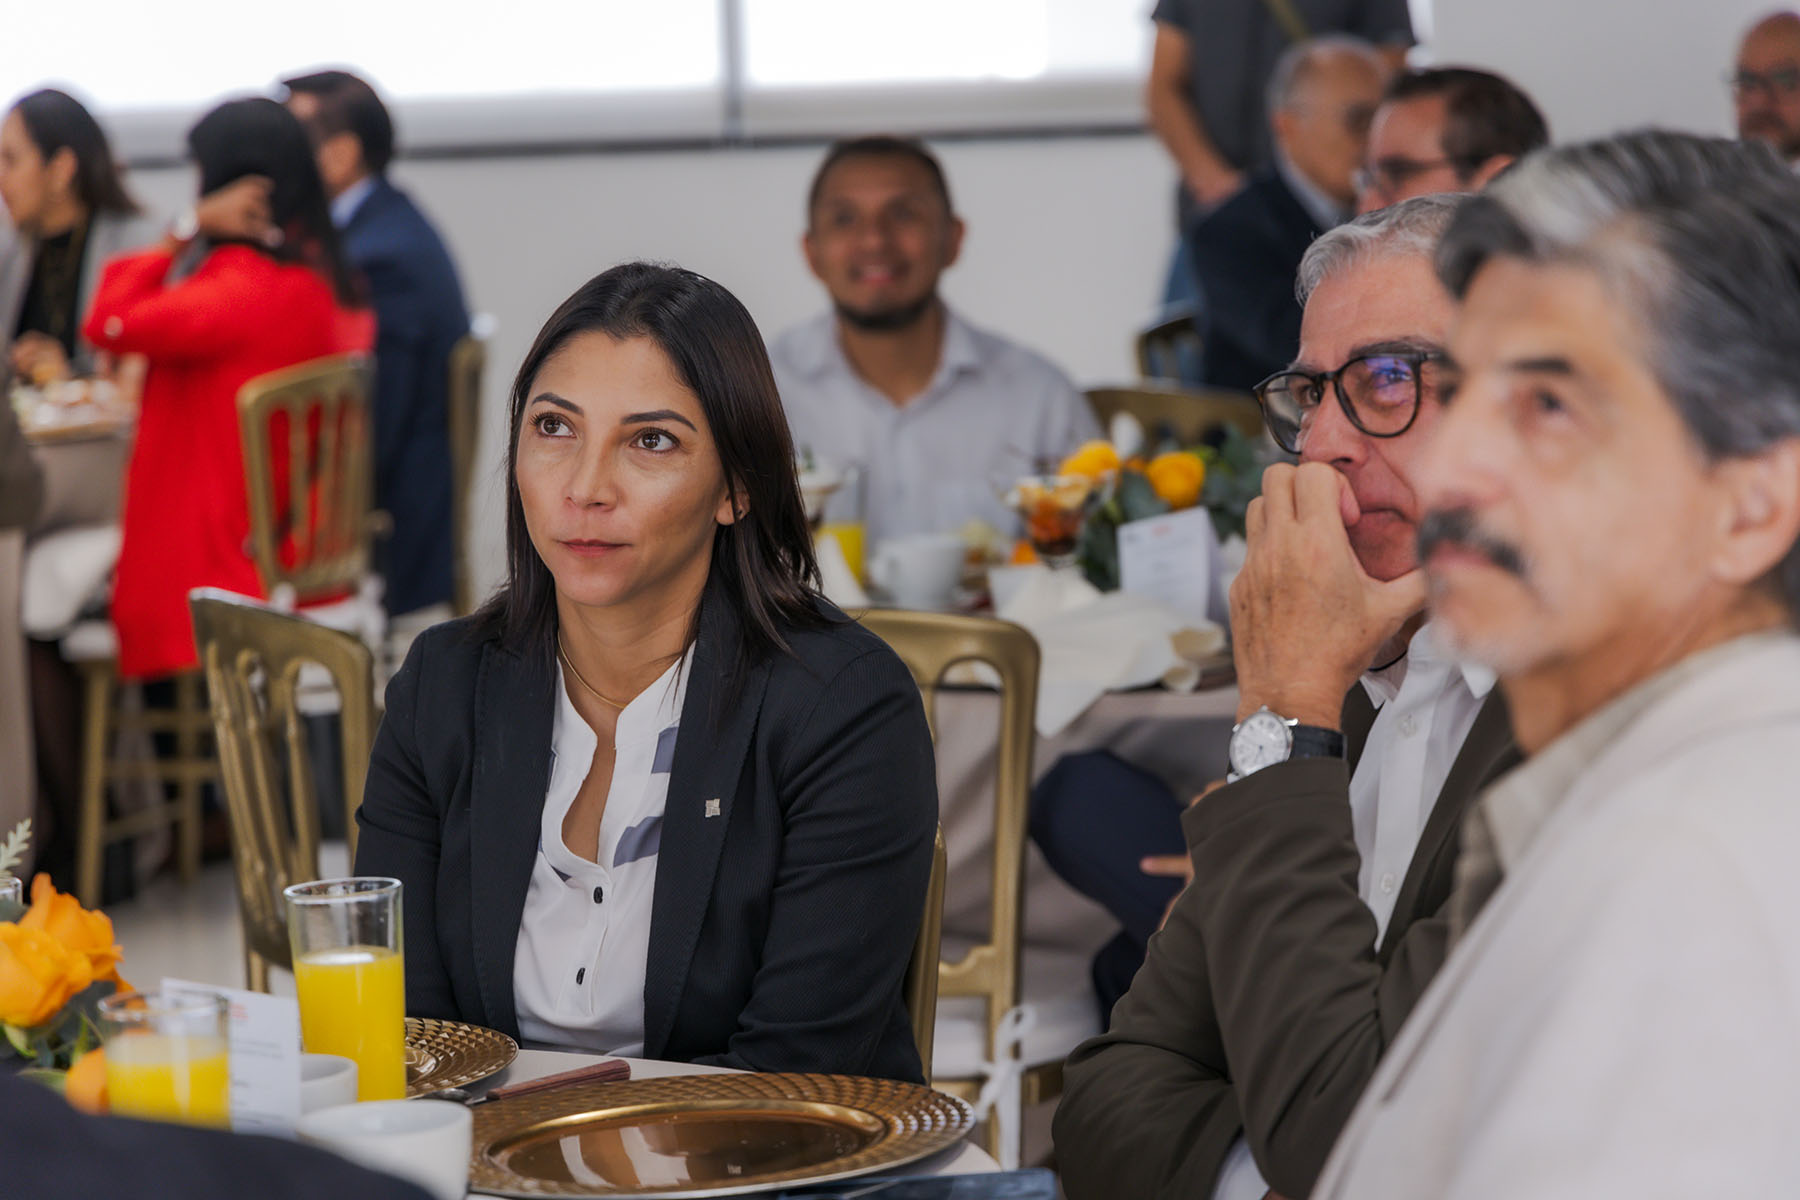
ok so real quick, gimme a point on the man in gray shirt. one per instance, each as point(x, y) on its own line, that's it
point(937, 415)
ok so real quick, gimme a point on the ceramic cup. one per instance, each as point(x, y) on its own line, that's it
point(425, 1141)
point(326, 1081)
point(919, 570)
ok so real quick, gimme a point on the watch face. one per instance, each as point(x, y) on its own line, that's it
point(1261, 740)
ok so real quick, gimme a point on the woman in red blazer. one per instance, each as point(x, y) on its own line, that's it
point(252, 280)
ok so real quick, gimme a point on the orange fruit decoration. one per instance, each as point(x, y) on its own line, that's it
point(1176, 478)
point(85, 1085)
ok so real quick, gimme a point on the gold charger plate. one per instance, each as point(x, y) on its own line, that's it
point(447, 1054)
point(706, 1135)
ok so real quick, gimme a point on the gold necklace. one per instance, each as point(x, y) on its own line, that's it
point(591, 689)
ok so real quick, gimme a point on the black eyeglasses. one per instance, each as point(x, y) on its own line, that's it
point(1783, 81)
point(1379, 392)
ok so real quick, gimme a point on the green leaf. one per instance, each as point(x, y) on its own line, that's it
point(55, 1080)
point(20, 1040)
point(1138, 499)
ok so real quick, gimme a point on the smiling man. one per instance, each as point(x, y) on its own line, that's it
point(1611, 505)
point(938, 416)
point(1322, 872)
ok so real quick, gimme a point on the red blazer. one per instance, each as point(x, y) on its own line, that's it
point(187, 516)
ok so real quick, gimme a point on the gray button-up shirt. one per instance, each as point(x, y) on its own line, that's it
point(994, 411)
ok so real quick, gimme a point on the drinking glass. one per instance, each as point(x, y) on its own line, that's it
point(166, 1057)
point(1055, 508)
point(348, 969)
point(12, 888)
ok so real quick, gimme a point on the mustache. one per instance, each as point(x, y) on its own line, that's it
point(1458, 527)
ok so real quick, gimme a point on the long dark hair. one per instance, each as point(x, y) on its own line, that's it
point(763, 564)
point(57, 121)
point(260, 137)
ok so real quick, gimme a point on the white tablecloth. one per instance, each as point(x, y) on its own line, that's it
point(963, 1159)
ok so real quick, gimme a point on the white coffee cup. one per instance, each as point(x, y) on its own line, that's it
point(326, 1081)
point(425, 1141)
point(919, 570)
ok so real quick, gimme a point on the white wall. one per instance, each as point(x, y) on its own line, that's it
point(1068, 237)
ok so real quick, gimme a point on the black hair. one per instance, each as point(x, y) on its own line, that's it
point(348, 104)
point(260, 137)
point(879, 146)
point(56, 121)
point(763, 564)
point(1486, 115)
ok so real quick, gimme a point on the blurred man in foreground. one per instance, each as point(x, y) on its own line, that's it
point(1447, 129)
point(1612, 502)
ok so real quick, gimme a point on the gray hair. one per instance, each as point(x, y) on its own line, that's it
point(1411, 227)
point(1294, 69)
point(1699, 240)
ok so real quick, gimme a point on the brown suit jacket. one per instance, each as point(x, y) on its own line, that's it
point(1264, 1005)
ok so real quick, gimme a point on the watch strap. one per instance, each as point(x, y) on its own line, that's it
point(1313, 741)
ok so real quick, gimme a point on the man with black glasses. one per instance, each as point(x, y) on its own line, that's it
point(1766, 84)
point(1446, 129)
point(1323, 868)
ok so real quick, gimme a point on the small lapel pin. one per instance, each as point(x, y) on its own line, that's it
point(712, 808)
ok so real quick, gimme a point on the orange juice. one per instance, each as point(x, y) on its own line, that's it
point(849, 535)
point(169, 1077)
point(353, 1003)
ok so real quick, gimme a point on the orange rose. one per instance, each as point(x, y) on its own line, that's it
point(1093, 460)
point(86, 933)
point(38, 975)
point(1176, 478)
point(85, 1084)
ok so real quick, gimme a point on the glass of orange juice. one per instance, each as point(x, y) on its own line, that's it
point(166, 1057)
point(348, 969)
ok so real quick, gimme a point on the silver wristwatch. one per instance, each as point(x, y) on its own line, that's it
point(1265, 738)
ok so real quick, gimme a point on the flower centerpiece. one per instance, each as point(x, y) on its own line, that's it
point(1223, 479)
point(57, 962)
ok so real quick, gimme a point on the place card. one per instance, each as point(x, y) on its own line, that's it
point(1174, 560)
point(263, 1034)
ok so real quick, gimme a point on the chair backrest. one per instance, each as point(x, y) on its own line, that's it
point(1165, 347)
point(930, 644)
point(1187, 413)
point(253, 656)
point(309, 468)
point(468, 363)
point(922, 971)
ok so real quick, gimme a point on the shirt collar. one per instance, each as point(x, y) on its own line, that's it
point(1425, 650)
point(350, 199)
point(820, 353)
point(1321, 208)
point(1524, 800)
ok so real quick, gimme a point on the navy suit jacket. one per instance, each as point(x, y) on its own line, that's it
point(420, 315)
point(795, 854)
point(1246, 254)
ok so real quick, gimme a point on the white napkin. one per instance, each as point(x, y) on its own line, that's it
point(836, 579)
point(1094, 643)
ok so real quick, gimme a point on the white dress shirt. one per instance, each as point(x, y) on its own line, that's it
point(1623, 1017)
point(584, 939)
point(1426, 704)
point(993, 411)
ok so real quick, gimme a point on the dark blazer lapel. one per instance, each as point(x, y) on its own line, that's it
point(1487, 750)
point(514, 714)
point(716, 729)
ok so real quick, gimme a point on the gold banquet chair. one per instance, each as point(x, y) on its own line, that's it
point(922, 970)
point(468, 363)
point(1161, 348)
point(253, 656)
point(1189, 413)
point(982, 993)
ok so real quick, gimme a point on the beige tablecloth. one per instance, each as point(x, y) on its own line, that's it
point(1177, 736)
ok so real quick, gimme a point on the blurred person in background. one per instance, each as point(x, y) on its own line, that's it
point(1321, 98)
point(420, 315)
point(1765, 84)
point(938, 415)
point(21, 490)
point(69, 213)
point(1209, 75)
point(250, 280)
point(1446, 129)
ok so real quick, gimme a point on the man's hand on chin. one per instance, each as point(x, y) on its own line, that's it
point(1306, 619)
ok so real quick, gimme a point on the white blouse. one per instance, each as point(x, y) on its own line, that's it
point(584, 940)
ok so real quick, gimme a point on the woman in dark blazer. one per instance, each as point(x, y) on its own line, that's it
point(658, 555)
